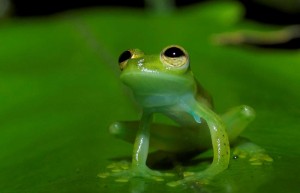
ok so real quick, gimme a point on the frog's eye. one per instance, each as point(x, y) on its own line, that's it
point(127, 55)
point(174, 56)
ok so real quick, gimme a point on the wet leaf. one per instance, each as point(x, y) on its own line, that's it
point(59, 91)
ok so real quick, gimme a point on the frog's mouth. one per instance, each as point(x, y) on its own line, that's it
point(157, 83)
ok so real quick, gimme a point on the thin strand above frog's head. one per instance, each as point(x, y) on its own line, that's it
point(167, 72)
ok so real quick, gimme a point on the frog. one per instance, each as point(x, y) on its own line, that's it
point(164, 84)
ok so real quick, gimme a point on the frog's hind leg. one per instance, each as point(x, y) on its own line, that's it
point(163, 137)
point(125, 130)
point(236, 120)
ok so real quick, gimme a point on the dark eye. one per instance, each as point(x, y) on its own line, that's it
point(175, 57)
point(173, 52)
point(126, 55)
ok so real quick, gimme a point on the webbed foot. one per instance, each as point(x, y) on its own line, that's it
point(255, 154)
point(123, 172)
point(201, 178)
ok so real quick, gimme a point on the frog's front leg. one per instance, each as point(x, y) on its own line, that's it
point(220, 143)
point(140, 150)
point(137, 132)
point(141, 147)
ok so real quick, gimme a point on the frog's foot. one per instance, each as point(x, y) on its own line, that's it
point(123, 172)
point(120, 170)
point(201, 178)
point(255, 154)
point(146, 172)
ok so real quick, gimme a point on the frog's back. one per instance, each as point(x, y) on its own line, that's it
point(203, 96)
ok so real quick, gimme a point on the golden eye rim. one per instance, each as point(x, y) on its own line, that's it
point(134, 53)
point(175, 62)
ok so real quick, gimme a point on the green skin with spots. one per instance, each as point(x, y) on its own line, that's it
point(174, 92)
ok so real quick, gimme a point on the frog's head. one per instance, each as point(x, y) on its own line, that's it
point(157, 77)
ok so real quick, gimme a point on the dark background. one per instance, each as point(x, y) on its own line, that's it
point(254, 11)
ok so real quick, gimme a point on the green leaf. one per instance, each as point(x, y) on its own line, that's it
point(59, 91)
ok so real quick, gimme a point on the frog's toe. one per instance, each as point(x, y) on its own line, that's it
point(260, 158)
point(123, 172)
point(256, 156)
point(190, 178)
point(119, 170)
point(150, 174)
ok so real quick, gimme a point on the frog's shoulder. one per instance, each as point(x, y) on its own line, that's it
point(203, 96)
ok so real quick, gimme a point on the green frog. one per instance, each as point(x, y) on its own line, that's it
point(165, 84)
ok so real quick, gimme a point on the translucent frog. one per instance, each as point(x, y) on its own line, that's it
point(165, 84)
